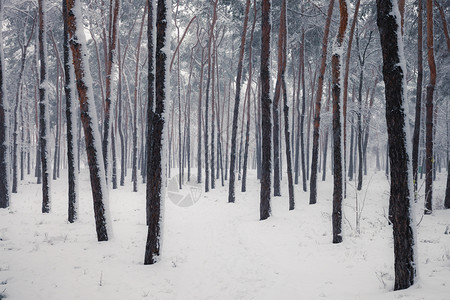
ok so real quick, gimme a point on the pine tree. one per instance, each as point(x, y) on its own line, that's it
point(394, 72)
point(337, 124)
point(237, 99)
point(266, 124)
point(155, 182)
point(71, 122)
point(429, 159)
point(44, 131)
point(77, 42)
point(318, 104)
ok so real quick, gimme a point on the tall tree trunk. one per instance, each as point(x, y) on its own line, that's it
point(266, 124)
point(199, 120)
point(429, 112)
point(208, 79)
point(44, 130)
point(250, 73)
point(155, 184)
point(302, 118)
point(88, 118)
point(134, 176)
point(71, 122)
point(415, 145)
point(346, 76)
point(4, 165)
point(283, 49)
point(112, 41)
point(151, 101)
point(315, 150)
point(337, 124)
point(237, 99)
point(400, 201)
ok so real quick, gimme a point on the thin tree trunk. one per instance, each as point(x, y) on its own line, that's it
point(250, 73)
point(325, 142)
point(415, 145)
point(43, 109)
point(231, 189)
point(4, 165)
point(429, 111)
point(210, 38)
point(444, 23)
point(134, 176)
point(318, 104)
point(302, 118)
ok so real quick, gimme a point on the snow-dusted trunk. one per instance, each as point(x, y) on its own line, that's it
point(266, 124)
point(318, 104)
point(337, 123)
point(237, 99)
point(71, 123)
point(4, 162)
point(155, 182)
point(400, 202)
point(44, 130)
point(89, 119)
point(151, 97)
point(429, 160)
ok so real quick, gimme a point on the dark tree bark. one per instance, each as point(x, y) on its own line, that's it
point(4, 166)
point(266, 161)
point(151, 100)
point(318, 104)
point(429, 111)
point(400, 200)
point(71, 122)
point(337, 125)
point(155, 183)
point(237, 99)
point(43, 109)
point(415, 149)
point(88, 119)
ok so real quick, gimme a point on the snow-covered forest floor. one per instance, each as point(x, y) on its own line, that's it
point(216, 250)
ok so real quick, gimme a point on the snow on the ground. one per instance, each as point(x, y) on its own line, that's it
point(216, 250)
